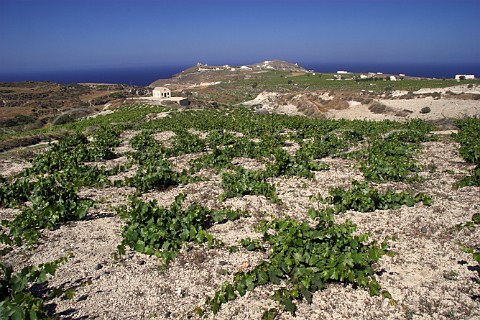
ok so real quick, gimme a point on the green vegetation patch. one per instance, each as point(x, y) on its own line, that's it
point(151, 229)
point(52, 183)
point(360, 197)
point(469, 138)
point(16, 301)
point(246, 182)
point(302, 260)
point(54, 199)
point(236, 91)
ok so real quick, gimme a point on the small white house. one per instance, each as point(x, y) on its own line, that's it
point(161, 93)
point(393, 78)
point(464, 77)
point(342, 72)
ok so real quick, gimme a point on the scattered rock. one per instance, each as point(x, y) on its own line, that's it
point(262, 111)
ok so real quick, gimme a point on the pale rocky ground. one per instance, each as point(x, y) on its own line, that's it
point(440, 108)
point(429, 276)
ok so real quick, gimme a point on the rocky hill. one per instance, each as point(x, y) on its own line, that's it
point(203, 74)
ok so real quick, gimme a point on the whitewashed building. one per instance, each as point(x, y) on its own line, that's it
point(161, 93)
point(464, 77)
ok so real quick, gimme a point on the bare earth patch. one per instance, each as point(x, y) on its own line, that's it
point(11, 167)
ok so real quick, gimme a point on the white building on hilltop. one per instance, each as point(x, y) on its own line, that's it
point(161, 93)
point(464, 77)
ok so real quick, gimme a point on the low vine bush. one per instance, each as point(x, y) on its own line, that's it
point(246, 182)
point(219, 159)
point(54, 199)
point(302, 260)
point(161, 231)
point(388, 161)
point(469, 138)
point(327, 145)
point(184, 142)
point(475, 252)
point(363, 198)
point(157, 174)
point(16, 301)
point(285, 165)
point(74, 150)
point(51, 185)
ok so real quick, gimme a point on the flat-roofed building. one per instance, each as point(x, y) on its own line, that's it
point(161, 93)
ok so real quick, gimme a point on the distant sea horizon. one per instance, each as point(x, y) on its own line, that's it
point(143, 76)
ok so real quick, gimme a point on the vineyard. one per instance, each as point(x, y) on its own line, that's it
point(158, 213)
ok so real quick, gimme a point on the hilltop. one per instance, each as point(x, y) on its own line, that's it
point(203, 74)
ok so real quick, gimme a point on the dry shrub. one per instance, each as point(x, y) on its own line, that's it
point(310, 111)
point(402, 114)
point(444, 124)
point(367, 101)
point(336, 104)
point(425, 110)
point(408, 96)
point(319, 115)
point(378, 107)
point(302, 108)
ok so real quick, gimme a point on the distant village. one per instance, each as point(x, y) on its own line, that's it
point(340, 75)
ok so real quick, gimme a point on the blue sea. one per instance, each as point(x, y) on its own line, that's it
point(145, 75)
point(142, 76)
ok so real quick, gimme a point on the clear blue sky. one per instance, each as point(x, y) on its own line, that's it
point(41, 35)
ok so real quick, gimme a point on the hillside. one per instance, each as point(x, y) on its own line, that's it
point(32, 105)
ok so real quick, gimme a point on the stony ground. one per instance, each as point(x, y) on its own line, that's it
point(429, 276)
